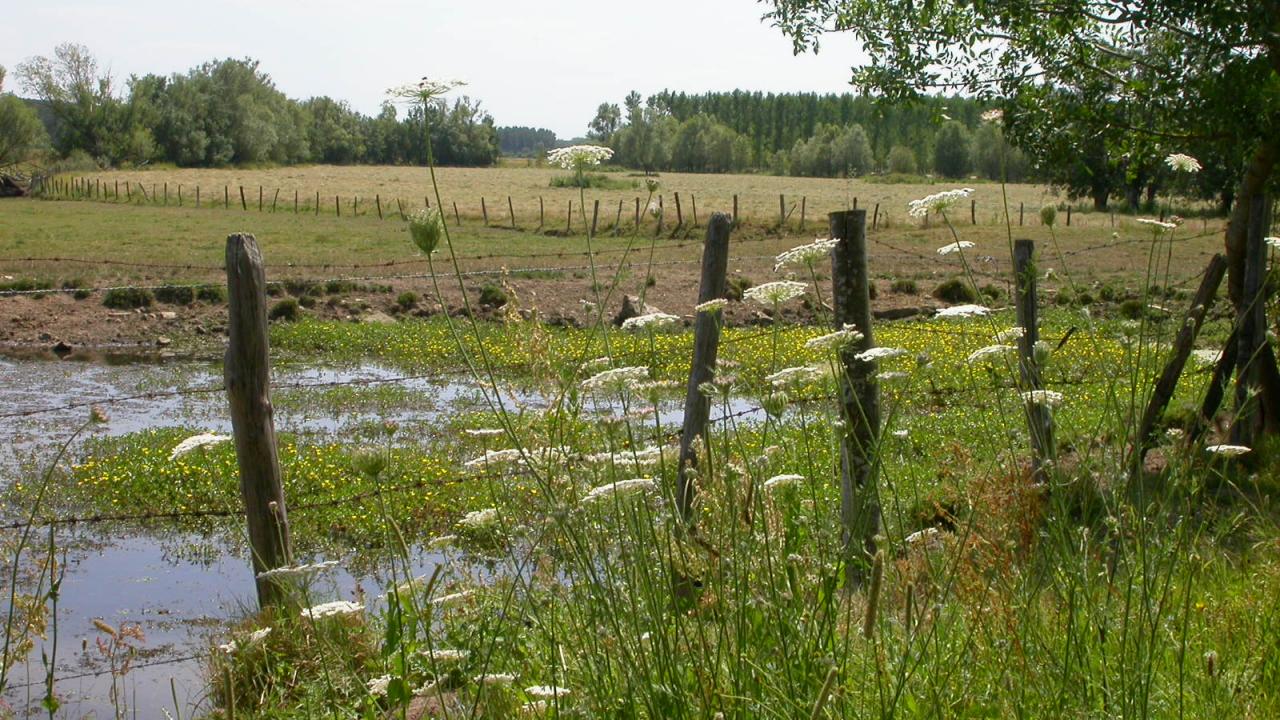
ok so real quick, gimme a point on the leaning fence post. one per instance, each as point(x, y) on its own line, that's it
point(617, 221)
point(484, 211)
point(804, 200)
point(1039, 413)
point(247, 372)
point(377, 200)
point(706, 344)
point(859, 397)
point(679, 213)
point(511, 210)
point(1252, 327)
point(595, 215)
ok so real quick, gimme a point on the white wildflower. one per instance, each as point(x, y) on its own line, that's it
point(479, 519)
point(891, 376)
point(423, 90)
point(441, 542)
point(616, 379)
point(955, 247)
point(654, 208)
point(881, 353)
point(444, 655)
point(495, 679)
point(576, 157)
point(197, 441)
point(1228, 450)
point(777, 482)
point(1182, 163)
point(1272, 241)
point(937, 203)
point(297, 571)
point(792, 376)
point(806, 254)
point(711, 306)
point(494, 457)
point(484, 432)
point(546, 691)
point(337, 607)
point(1156, 223)
point(378, 686)
point(899, 433)
point(989, 351)
point(834, 341)
point(963, 311)
point(994, 115)
point(1207, 356)
point(452, 599)
point(651, 321)
point(1017, 332)
point(1047, 398)
point(775, 293)
point(620, 488)
point(930, 537)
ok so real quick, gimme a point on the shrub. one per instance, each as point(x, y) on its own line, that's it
point(902, 160)
point(956, 290)
point(337, 287)
point(597, 181)
point(1107, 293)
point(905, 286)
point(287, 310)
point(81, 294)
point(176, 295)
point(736, 286)
point(991, 290)
point(128, 298)
point(492, 296)
point(211, 294)
point(1131, 309)
point(407, 299)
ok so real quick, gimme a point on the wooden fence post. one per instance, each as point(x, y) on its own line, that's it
point(875, 216)
point(226, 198)
point(693, 203)
point(259, 198)
point(275, 200)
point(197, 197)
point(295, 202)
point(247, 373)
point(735, 209)
point(484, 211)
point(457, 217)
point(1168, 380)
point(568, 219)
point(337, 206)
point(1252, 327)
point(617, 221)
point(542, 217)
point(317, 203)
point(637, 225)
point(973, 212)
point(804, 199)
point(355, 206)
point(1039, 414)
point(400, 206)
point(679, 212)
point(706, 344)
point(595, 215)
point(166, 195)
point(377, 200)
point(662, 215)
point(859, 397)
point(511, 210)
point(782, 211)
point(1068, 216)
point(244, 205)
point(1021, 207)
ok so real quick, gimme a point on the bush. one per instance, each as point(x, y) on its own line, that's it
point(128, 298)
point(597, 181)
point(736, 286)
point(1131, 309)
point(81, 294)
point(407, 299)
point(176, 295)
point(216, 294)
point(902, 161)
point(905, 286)
point(287, 310)
point(991, 290)
point(1107, 293)
point(338, 287)
point(492, 296)
point(956, 290)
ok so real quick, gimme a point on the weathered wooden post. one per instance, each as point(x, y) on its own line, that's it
point(275, 199)
point(197, 197)
point(1168, 380)
point(166, 195)
point(804, 201)
point(1068, 216)
point(511, 210)
point(706, 345)
point(859, 397)
point(377, 200)
point(243, 204)
point(542, 218)
point(875, 216)
point(337, 206)
point(679, 213)
point(735, 209)
point(595, 215)
point(662, 215)
point(457, 216)
point(355, 205)
point(636, 227)
point(782, 211)
point(317, 203)
point(226, 198)
point(1039, 413)
point(484, 211)
point(1251, 325)
point(693, 203)
point(617, 221)
point(247, 371)
point(259, 198)
point(295, 202)
point(400, 207)
point(568, 219)
point(1021, 207)
point(973, 212)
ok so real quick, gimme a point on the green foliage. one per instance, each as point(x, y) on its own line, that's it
point(287, 309)
point(212, 294)
point(736, 286)
point(905, 286)
point(952, 153)
point(21, 131)
point(956, 290)
point(995, 159)
point(525, 141)
point(176, 294)
point(492, 296)
point(596, 181)
point(407, 299)
point(128, 298)
point(833, 152)
point(902, 160)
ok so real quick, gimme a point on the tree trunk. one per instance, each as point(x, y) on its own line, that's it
point(1100, 196)
point(1226, 199)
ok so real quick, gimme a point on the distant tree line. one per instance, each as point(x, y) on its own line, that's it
point(525, 141)
point(228, 112)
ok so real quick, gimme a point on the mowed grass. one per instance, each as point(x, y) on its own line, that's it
point(758, 195)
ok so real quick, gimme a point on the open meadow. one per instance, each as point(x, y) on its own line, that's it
point(479, 469)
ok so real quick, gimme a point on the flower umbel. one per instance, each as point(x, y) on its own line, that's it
point(577, 157)
point(1182, 163)
point(937, 203)
point(775, 293)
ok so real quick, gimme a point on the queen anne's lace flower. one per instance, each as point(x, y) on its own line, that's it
point(993, 115)
point(1272, 241)
point(329, 609)
point(1228, 450)
point(620, 488)
point(452, 599)
point(775, 293)
point(955, 247)
point(777, 482)
point(793, 376)
point(616, 379)
point(484, 432)
point(444, 655)
point(962, 311)
point(881, 353)
point(546, 692)
point(1182, 163)
point(834, 341)
point(423, 90)
point(938, 202)
point(711, 306)
point(494, 457)
point(1157, 223)
point(651, 321)
point(806, 254)
point(378, 686)
point(479, 519)
point(1014, 333)
point(576, 157)
point(1046, 398)
point(988, 351)
point(197, 441)
point(297, 571)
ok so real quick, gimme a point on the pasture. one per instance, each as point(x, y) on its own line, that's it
point(482, 503)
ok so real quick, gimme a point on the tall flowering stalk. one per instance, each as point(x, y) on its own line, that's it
point(578, 158)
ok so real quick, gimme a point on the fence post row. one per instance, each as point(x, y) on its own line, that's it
point(1039, 414)
point(247, 372)
point(706, 344)
point(859, 397)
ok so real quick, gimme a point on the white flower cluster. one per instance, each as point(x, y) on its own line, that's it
point(806, 254)
point(656, 321)
point(938, 202)
point(329, 609)
point(452, 599)
point(424, 89)
point(796, 376)
point(1228, 450)
point(252, 639)
point(962, 311)
point(484, 432)
point(881, 353)
point(197, 441)
point(616, 379)
point(297, 571)
point(620, 488)
point(1046, 398)
point(444, 655)
point(479, 519)
point(994, 115)
point(955, 247)
point(576, 157)
point(1157, 223)
point(1272, 241)
point(711, 306)
point(1014, 333)
point(1207, 356)
point(546, 692)
point(494, 457)
point(652, 455)
point(1182, 163)
point(378, 686)
point(775, 293)
point(777, 482)
point(834, 341)
point(988, 351)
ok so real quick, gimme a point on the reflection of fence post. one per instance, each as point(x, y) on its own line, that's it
point(1168, 381)
point(1252, 327)
point(859, 397)
point(706, 343)
point(247, 373)
point(1039, 414)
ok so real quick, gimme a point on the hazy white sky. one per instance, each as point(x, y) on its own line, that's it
point(543, 64)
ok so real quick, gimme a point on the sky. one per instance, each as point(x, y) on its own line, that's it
point(546, 65)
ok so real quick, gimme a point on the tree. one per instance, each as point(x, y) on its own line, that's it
point(78, 96)
point(902, 160)
point(20, 130)
point(606, 121)
point(1171, 73)
point(995, 159)
point(952, 157)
